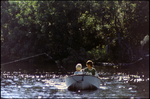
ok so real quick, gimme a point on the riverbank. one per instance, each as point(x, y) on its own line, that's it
point(142, 60)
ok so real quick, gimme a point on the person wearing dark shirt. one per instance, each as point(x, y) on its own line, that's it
point(90, 70)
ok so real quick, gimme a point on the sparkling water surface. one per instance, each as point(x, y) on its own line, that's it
point(19, 84)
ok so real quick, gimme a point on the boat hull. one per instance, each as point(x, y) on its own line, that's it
point(82, 82)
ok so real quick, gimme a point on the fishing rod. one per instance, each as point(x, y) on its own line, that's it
point(21, 59)
point(60, 66)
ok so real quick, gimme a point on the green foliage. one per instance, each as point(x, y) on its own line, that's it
point(98, 53)
point(75, 56)
point(32, 27)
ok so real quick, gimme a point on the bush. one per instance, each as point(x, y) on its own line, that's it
point(81, 55)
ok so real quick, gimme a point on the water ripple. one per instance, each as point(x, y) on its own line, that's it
point(21, 85)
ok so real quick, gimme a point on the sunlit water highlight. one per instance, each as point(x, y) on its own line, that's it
point(48, 85)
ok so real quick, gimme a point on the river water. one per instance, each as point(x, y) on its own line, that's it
point(47, 84)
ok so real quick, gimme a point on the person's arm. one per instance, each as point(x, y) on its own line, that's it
point(83, 71)
point(96, 74)
point(75, 73)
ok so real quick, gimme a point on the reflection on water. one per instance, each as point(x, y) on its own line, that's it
point(18, 84)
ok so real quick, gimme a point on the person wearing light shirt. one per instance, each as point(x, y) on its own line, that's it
point(78, 69)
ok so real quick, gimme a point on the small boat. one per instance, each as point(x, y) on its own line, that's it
point(82, 82)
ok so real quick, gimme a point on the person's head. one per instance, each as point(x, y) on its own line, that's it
point(78, 67)
point(89, 64)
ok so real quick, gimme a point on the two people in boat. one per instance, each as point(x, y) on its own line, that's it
point(89, 70)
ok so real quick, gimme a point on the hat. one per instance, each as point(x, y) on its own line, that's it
point(78, 66)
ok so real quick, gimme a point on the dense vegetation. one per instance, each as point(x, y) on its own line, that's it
point(74, 31)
